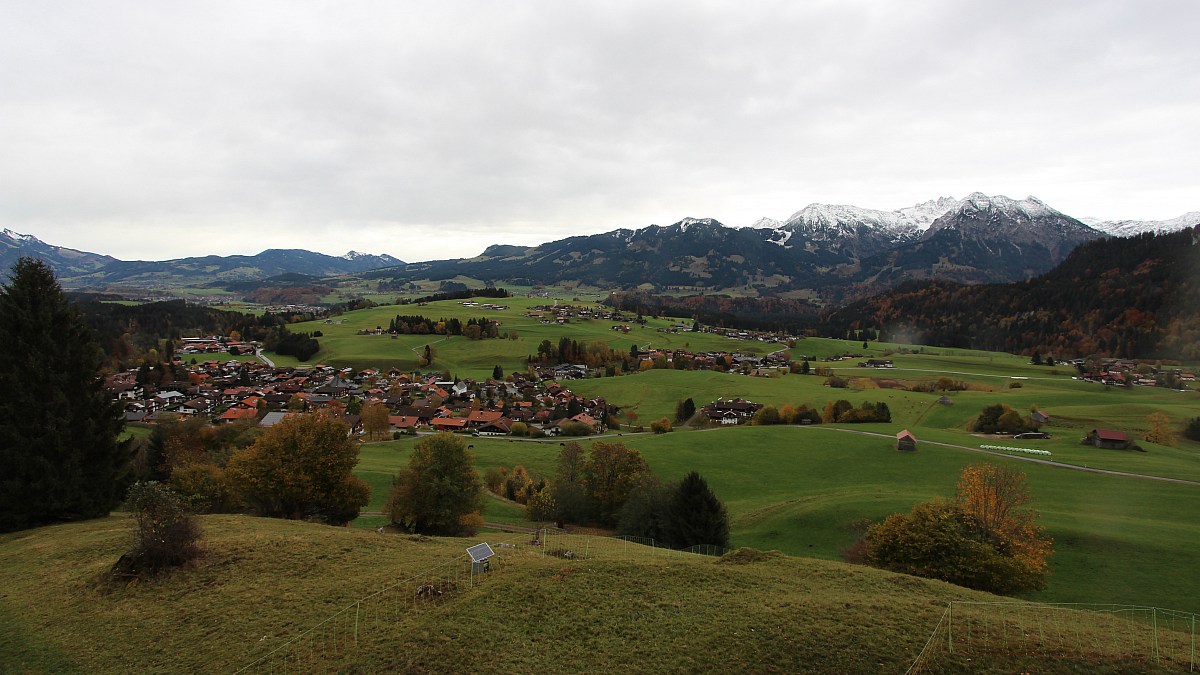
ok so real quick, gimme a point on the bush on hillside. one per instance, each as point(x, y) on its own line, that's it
point(1002, 419)
point(1192, 430)
point(165, 531)
point(981, 539)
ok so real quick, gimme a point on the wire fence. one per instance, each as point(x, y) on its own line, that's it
point(331, 644)
point(1044, 633)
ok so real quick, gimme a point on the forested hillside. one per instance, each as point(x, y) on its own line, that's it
point(1137, 296)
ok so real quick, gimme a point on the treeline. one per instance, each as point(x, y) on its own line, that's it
point(1122, 297)
point(611, 485)
point(763, 313)
point(840, 411)
point(595, 354)
point(459, 295)
point(294, 295)
point(300, 345)
point(474, 329)
point(128, 334)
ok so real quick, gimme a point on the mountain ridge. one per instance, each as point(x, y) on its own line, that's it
point(835, 252)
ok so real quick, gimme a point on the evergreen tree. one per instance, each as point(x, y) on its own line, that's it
point(695, 515)
point(59, 454)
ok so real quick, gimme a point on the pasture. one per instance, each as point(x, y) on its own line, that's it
point(341, 345)
point(803, 490)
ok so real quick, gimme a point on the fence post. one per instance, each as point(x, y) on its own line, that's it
point(1154, 614)
point(357, 606)
point(587, 547)
point(1192, 663)
point(950, 628)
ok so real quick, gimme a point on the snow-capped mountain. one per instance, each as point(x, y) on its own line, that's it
point(858, 231)
point(1128, 228)
point(13, 245)
point(988, 239)
point(371, 260)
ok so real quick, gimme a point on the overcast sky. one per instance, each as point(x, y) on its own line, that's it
point(428, 130)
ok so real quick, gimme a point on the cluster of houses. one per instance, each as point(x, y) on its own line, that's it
point(234, 391)
point(749, 364)
point(1120, 372)
point(484, 305)
point(755, 335)
point(562, 314)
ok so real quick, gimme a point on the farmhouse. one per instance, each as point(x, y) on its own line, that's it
point(731, 412)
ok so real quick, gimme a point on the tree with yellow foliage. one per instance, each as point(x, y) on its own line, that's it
point(1160, 430)
point(981, 539)
point(303, 467)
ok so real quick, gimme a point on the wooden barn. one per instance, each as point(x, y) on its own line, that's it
point(905, 441)
point(1107, 438)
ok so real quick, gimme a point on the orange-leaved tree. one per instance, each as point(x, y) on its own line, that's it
point(301, 468)
point(982, 539)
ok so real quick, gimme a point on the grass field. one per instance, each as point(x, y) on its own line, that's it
point(801, 490)
point(341, 346)
point(262, 582)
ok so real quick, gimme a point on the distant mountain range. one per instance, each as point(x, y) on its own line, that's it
point(833, 253)
point(81, 269)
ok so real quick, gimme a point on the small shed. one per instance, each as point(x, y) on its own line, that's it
point(905, 441)
point(1107, 438)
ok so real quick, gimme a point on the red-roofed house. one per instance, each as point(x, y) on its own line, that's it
point(400, 422)
point(449, 423)
point(235, 414)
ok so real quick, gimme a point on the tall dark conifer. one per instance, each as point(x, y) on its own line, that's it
point(59, 454)
point(696, 516)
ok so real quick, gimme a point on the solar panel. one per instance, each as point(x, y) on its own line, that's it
point(480, 552)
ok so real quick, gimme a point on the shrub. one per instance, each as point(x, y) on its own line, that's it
point(575, 429)
point(1192, 430)
point(519, 429)
point(204, 488)
point(661, 425)
point(979, 540)
point(165, 531)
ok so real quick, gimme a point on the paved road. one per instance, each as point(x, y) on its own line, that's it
point(263, 357)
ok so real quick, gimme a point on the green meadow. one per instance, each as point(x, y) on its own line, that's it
point(342, 346)
point(803, 490)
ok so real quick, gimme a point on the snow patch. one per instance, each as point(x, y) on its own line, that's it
point(1129, 228)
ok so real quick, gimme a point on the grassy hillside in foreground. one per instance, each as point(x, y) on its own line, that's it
point(263, 582)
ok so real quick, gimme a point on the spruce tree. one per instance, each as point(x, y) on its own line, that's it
point(696, 516)
point(60, 458)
